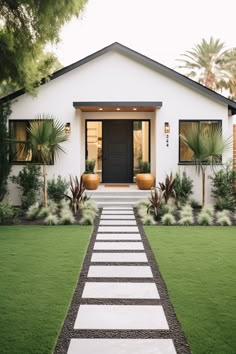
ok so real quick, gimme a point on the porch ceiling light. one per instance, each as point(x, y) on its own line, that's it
point(67, 128)
point(100, 109)
point(167, 131)
point(134, 109)
point(118, 109)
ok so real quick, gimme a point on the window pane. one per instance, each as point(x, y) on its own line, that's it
point(140, 143)
point(185, 152)
point(18, 131)
point(94, 144)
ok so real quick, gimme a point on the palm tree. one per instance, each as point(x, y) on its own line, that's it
point(46, 136)
point(204, 63)
point(207, 145)
point(229, 65)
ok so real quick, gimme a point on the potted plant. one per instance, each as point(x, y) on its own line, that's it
point(144, 179)
point(91, 180)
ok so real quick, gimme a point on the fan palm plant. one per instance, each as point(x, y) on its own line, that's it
point(46, 136)
point(208, 63)
point(207, 145)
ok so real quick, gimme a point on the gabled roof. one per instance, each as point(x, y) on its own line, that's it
point(141, 59)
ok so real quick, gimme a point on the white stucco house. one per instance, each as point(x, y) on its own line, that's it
point(121, 106)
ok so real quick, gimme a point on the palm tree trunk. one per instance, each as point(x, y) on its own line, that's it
point(45, 197)
point(203, 187)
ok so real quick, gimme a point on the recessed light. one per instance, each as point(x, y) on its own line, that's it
point(100, 109)
point(134, 109)
point(118, 109)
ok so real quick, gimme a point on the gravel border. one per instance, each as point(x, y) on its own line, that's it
point(174, 332)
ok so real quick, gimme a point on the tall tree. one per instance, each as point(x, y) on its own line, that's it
point(26, 26)
point(207, 145)
point(229, 65)
point(210, 64)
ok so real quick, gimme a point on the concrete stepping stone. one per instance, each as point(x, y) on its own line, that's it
point(118, 229)
point(117, 217)
point(117, 212)
point(121, 317)
point(119, 272)
point(118, 222)
point(114, 236)
point(136, 246)
point(119, 257)
point(120, 291)
point(121, 346)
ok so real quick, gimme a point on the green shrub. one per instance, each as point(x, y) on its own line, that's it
point(32, 212)
point(194, 203)
point(204, 218)
point(223, 212)
point(52, 206)
point(168, 219)
point(209, 210)
point(183, 187)
point(223, 218)
point(224, 221)
point(166, 209)
point(7, 213)
point(90, 212)
point(51, 219)
point(29, 182)
point(86, 220)
point(223, 188)
point(89, 204)
point(148, 219)
point(142, 203)
point(186, 211)
point(66, 217)
point(57, 188)
point(186, 220)
point(142, 211)
point(43, 213)
point(222, 203)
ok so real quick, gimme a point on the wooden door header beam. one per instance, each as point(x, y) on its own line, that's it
point(117, 106)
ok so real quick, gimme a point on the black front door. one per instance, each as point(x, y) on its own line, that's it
point(117, 151)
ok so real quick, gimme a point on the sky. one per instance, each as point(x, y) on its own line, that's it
point(159, 29)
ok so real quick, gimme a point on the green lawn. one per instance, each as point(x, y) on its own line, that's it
point(39, 269)
point(199, 268)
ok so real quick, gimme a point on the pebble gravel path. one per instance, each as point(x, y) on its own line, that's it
point(120, 305)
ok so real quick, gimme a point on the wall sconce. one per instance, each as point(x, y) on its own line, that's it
point(67, 128)
point(167, 131)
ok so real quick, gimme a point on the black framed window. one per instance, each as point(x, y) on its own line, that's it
point(185, 153)
point(19, 154)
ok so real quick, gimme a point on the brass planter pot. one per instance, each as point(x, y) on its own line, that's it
point(91, 181)
point(145, 180)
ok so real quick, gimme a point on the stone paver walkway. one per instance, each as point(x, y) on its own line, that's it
point(120, 305)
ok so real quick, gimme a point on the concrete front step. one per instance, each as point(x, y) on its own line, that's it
point(116, 197)
point(114, 203)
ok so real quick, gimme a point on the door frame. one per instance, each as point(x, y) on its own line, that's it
point(132, 152)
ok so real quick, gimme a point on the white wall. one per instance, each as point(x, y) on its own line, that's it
point(114, 77)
